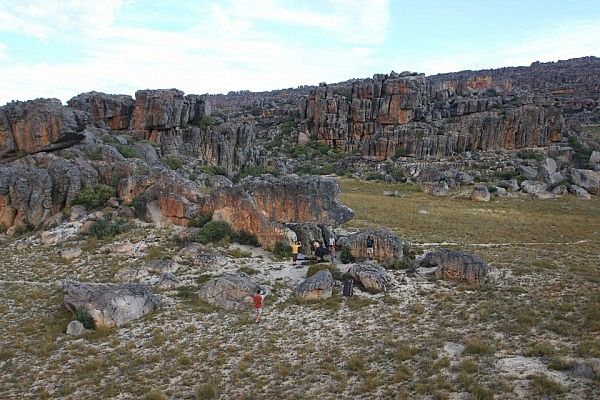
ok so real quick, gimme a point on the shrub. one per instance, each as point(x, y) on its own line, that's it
point(86, 319)
point(2, 228)
point(200, 220)
point(530, 154)
point(287, 127)
point(208, 390)
point(103, 228)
point(214, 170)
point(346, 256)
point(246, 238)
point(213, 231)
point(139, 204)
point(95, 196)
point(128, 151)
point(172, 162)
point(207, 121)
point(282, 250)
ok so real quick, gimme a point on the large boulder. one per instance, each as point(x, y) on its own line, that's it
point(157, 109)
point(587, 179)
point(533, 187)
point(318, 286)
point(109, 305)
point(480, 193)
point(579, 192)
point(387, 246)
point(456, 265)
point(230, 292)
point(371, 277)
point(437, 189)
point(36, 125)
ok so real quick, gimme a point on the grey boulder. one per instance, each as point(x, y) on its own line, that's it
point(75, 328)
point(230, 292)
point(109, 305)
point(372, 277)
point(587, 179)
point(318, 286)
point(480, 193)
point(456, 265)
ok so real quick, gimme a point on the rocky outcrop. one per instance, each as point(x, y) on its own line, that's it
point(114, 110)
point(294, 199)
point(39, 125)
point(318, 286)
point(587, 179)
point(456, 265)
point(230, 292)
point(387, 246)
point(406, 114)
point(372, 278)
point(109, 305)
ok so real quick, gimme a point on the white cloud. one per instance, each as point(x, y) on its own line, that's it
point(43, 18)
point(3, 54)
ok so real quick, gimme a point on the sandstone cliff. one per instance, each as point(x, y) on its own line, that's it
point(396, 114)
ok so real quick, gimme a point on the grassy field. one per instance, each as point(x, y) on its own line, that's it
point(540, 309)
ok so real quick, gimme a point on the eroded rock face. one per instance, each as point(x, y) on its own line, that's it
point(387, 245)
point(36, 125)
point(408, 113)
point(294, 199)
point(371, 277)
point(230, 292)
point(317, 287)
point(456, 265)
point(115, 110)
point(110, 305)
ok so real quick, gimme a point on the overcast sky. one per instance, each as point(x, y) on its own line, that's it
point(60, 48)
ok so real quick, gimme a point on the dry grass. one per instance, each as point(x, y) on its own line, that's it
point(543, 304)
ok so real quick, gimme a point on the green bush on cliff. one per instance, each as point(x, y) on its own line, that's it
point(200, 220)
point(128, 151)
point(282, 250)
point(214, 231)
point(245, 238)
point(172, 162)
point(95, 196)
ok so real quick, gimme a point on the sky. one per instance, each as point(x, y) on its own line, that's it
point(60, 48)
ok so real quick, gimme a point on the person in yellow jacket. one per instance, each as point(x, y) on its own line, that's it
point(295, 249)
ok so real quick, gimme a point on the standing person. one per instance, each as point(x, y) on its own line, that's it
point(295, 248)
point(370, 246)
point(258, 303)
point(332, 247)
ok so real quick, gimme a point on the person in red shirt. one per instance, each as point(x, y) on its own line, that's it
point(258, 302)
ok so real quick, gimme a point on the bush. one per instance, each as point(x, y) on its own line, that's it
point(346, 256)
point(86, 319)
point(172, 162)
point(128, 151)
point(214, 170)
point(530, 154)
point(95, 196)
point(200, 220)
point(282, 250)
point(246, 238)
point(287, 127)
point(213, 231)
point(207, 121)
point(103, 228)
point(139, 204)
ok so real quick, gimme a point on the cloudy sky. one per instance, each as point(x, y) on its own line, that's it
point(59, 48)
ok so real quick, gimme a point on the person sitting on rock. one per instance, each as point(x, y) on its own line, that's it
point(295, 248)
point(370, 246)
point(320, 252)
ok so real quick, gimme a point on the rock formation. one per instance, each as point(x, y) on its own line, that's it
point(456, 265)
point(372, 278)
point(38, 125)
point(387, 245)
point(109, 305)
point(114, 110)
point(406, 114)
point(230, 292)
point(318, 286)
